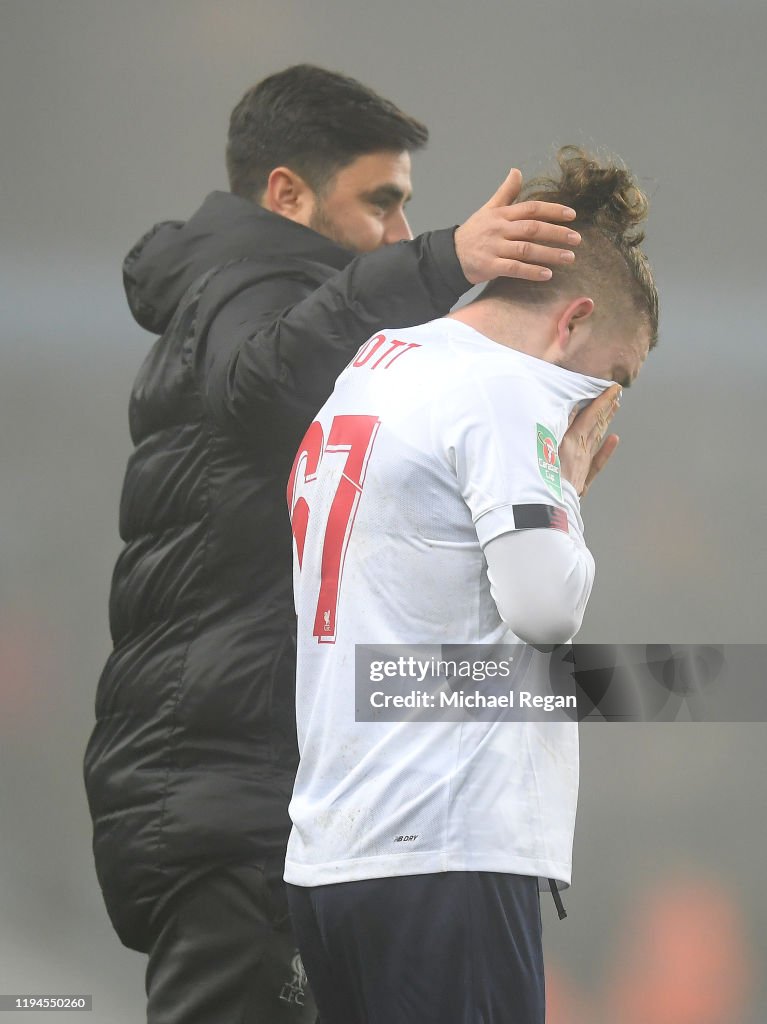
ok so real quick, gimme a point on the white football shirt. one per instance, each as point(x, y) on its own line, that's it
point(435, 441)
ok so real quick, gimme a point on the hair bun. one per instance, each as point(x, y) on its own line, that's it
point(603, 194)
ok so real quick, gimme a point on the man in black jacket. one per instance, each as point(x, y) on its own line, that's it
point(259, 302)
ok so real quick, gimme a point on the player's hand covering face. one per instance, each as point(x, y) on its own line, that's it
point(584, 450)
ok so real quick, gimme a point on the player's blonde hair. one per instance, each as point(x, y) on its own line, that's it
point(610, 265)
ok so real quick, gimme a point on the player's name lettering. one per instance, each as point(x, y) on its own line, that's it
point(385, 350)
point(472, 699)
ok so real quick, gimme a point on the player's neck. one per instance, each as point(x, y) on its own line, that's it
point(509, 325)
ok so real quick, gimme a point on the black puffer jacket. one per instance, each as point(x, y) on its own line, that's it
point(192, 758)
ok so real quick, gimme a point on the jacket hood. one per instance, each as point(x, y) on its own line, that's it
point(173, 254)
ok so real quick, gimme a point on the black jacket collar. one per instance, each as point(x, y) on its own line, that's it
point(168, 258)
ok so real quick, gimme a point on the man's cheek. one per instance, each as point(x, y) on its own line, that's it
point(369, 236)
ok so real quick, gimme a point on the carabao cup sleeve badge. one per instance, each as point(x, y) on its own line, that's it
point(548, 460)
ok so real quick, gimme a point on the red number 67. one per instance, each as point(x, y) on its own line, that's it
point(355, 436)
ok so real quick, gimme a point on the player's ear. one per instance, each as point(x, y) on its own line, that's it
point(287, 194)
point(572, 316)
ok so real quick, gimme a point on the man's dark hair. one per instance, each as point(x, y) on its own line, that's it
point(315, 122)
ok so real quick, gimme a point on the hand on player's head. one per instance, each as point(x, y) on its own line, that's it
point(504, 239)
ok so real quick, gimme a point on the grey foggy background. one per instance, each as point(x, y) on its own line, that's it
point(114, 116)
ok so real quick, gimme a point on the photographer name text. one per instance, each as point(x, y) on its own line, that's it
point(471, 699)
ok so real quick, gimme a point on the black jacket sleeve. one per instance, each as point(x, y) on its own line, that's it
point(277, 349)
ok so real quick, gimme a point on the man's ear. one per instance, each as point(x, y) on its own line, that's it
point(572, 317)
point(287, 194)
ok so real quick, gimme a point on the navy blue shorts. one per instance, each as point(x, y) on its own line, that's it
point(450, 948)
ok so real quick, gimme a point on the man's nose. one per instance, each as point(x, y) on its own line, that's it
point(398, 229)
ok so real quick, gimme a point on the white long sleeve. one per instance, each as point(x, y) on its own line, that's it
point(540, 581)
